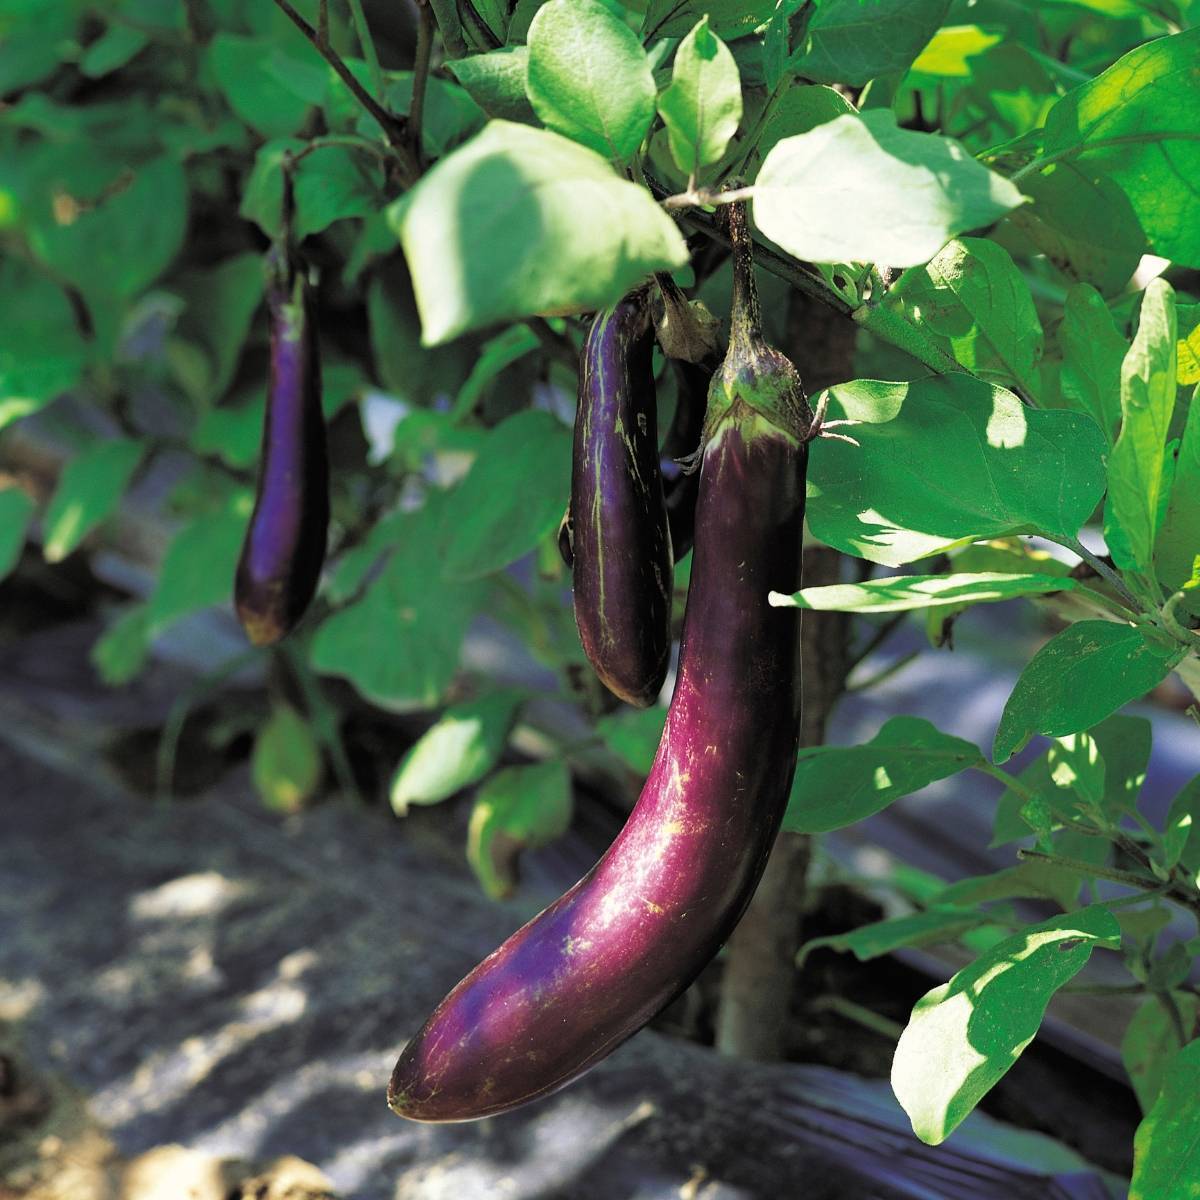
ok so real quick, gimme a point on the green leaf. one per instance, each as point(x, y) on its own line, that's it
point(286, 763)
point(730, 18)
point(854, 41)
point(1151, 1042)
point(703, 104)
point(1179, 538)
point(1124, 746)
point(496, 81)
point(198, 568)
point(459, 749)
point(1027, 881)
point(519, 808)
point(633, 735)
point(89, 491)
point(835, 786)
point(42, 353)
point(1166, 1147)
point(928, 928)
point(902, 593)
point(1078, 678)
point(124, 242)
point(451, 115)
point(124, 648)
point(521, 221)
point(512, 497)
point(950, 51)
point(406, 609)
point(269, 89)
point(1181, 831)
point(1075, 762)
point(220, 303)
point(588, 77)
point(331, 184)
point(948, 459)
point(801, 108)
point(1138, 124)
point(116, 46)
point(1092, 351)
point(964, 1035)
point(1135, 466)
point(975, 304)
point(1187, 351)
point(860, 189)
point(1085, 226)
point(16, 510)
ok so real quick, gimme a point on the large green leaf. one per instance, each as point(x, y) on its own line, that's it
point(220, 306)
point(286, 762)
point(1151, 1041)
point(902, 593)
point(42, 353)
point(964, 1035)
point(588, 77)
point(730, 18)
point(1166, 1148)
point(836, 786)
point(199, 565)
point(519, 808)
point(521, 221)
point(1092, 353)
point(512, 497)
point(861, 189)
point(16, 509)
point(1178, 541)
point(703, 104)
point(268, 88)
point(853, 41)
point(1138, 124)
point(1078, 678)
point(801, 108)
point(88, 492)
point(971, 300)
point(927, 928)
point(496, 81)
point(947, 459)
point(399, 644)
point(1136, 465)
point(459, 749)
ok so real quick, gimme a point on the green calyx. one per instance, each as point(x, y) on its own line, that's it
point(754, 376)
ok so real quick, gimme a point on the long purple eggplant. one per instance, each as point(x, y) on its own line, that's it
point(595, 966)
point(284, 549)
point(622, 568)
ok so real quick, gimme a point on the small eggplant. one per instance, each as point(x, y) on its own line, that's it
point(589, 971)
point(622, 566)
point(284, 549)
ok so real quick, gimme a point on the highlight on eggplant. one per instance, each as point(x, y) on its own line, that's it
point(284, 549)
point(619, 540)
point(590, 970)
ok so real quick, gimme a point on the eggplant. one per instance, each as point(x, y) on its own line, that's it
point(681, 480)
point(621, 547)
point(284, 550)
point(589, 971)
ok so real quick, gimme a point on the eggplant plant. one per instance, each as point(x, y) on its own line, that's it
point(996, 201)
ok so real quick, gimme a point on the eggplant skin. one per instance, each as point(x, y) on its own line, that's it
point(622, 568)
point(681, 484)
point(284, 550)
point(594, 967)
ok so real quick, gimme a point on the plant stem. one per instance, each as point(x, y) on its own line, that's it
point(1077, 866)
point(860, 1015)
point(893, 668)
point(448, 26)
point(558, 345)
point(1009, 780)
point(416, 107)
point(394, 128)
point(1103, 570)
point(367, 44)
point(891, 327)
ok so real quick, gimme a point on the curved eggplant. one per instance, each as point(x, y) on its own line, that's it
point(681, 481)
point(595, 966)
point(284, 549)
point(621, 545)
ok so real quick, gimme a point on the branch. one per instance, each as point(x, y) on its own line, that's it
point(416, 107)
point(394, 128)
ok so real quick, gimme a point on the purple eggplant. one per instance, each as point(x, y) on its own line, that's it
point(284, 549)
point(621, 545)
point(589, 971)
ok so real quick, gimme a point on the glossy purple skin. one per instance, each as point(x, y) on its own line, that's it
point(622, 567)
point(595, 966)
point(284, 549)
